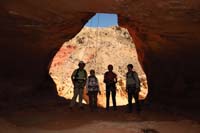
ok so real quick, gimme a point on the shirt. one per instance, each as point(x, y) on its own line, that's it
point(79, 74)
point(110, 77)
point(132, 79)
point(92, 84)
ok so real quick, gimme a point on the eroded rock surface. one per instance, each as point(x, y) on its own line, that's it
point(166, 35)
point(98, 47)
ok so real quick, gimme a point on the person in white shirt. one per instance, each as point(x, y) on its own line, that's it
point(92, 86)
point(132, 87)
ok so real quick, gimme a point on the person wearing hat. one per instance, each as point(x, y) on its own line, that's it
point(132, 87)
point(110, 79)
point(78, 77)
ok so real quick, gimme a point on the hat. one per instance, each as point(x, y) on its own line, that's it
point(81, 62)
point(130, 65)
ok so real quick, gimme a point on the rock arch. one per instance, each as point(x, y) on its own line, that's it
point(166, 34)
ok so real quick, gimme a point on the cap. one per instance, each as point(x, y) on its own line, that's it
point(81, 62)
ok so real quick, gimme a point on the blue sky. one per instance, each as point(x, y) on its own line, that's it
point(103, 20)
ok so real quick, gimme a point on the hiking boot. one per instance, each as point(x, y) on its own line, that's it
point(70, 108)
point(107, 109)
point(129, 111)
point(96, 110)
point(91, 109)
point(138, 112)
point(82, 108)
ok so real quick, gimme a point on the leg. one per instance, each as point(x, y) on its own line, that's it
point(114, 99)
point(80, 96)
point(74, 96)
point(137, 103)
point(90, 99)
point(130, 106)
point(107, 98)
point(95, 100)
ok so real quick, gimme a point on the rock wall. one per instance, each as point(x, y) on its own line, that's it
point(30, 37)
point(166, 35)
point(166, 38)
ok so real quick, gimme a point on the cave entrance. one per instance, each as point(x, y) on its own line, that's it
point(101, 42)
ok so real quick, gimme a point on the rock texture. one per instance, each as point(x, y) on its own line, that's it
point(98, 47)
point(166, 35)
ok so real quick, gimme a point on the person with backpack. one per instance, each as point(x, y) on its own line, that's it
point(110, 79)
point(92, 86)
point(78, 77)
point(133, 88)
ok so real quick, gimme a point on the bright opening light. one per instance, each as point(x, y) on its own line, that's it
point(103, 20)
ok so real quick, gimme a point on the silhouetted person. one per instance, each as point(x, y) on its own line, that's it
point(132, 87)
point(92, 86)
point(110, 79)
point(78, 77)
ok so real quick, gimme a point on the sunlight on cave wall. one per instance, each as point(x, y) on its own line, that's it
point(113, 45)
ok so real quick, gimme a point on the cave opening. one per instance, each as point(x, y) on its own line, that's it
point(100, 42)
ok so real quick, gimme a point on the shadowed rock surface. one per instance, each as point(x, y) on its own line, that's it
point(166, 35)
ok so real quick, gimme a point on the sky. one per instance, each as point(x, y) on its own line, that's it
point(103, 20)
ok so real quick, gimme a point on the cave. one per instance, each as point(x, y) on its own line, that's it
point(98, 44)
point(165, 33)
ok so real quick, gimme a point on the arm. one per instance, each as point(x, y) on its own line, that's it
point(104, 79)
point(126, 83)
point(85, 77)
point(137, 80)
point(73, 76)
point(98, 87)
point(115, 79)
point(87, 84)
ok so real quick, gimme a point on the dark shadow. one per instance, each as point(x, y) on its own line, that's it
point(57, 115)
point(148, 130)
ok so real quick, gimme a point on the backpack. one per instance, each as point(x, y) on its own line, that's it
point(132, 74)
point(77, 73)
point(89, 79)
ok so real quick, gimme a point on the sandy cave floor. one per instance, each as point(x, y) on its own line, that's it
point(58, 118)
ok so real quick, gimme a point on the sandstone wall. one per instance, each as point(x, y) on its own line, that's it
point(166, 35)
